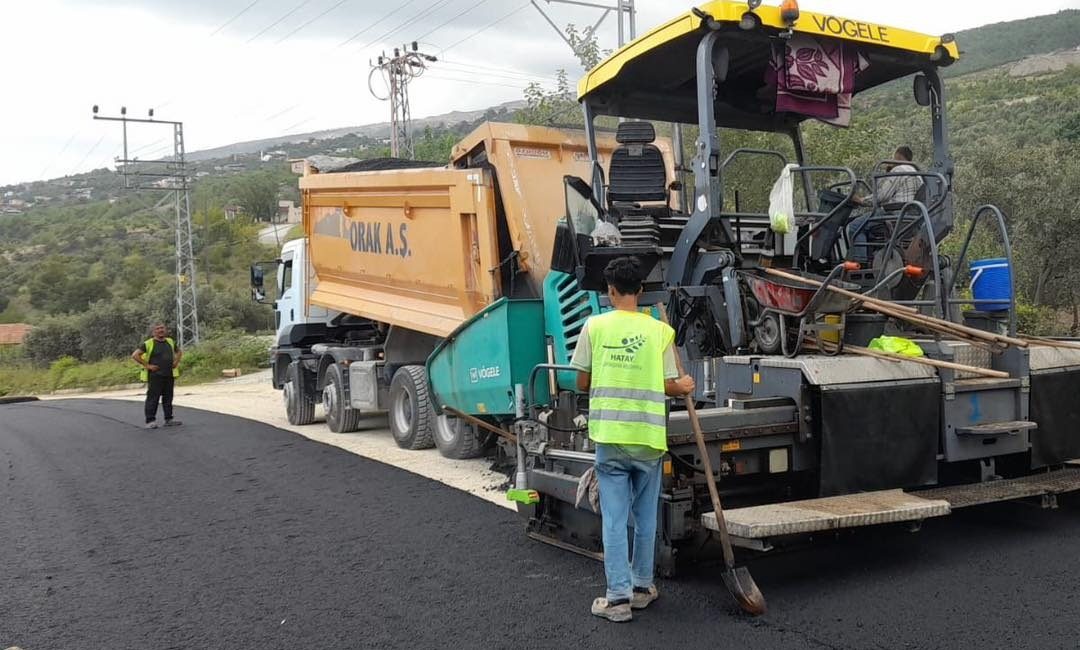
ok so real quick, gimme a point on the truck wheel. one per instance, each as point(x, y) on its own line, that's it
point(338, 418)
point(410, 408)
point(456, 438)
point(299, 402)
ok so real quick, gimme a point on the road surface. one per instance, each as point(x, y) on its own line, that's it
point(226, 533)
point(274, 235)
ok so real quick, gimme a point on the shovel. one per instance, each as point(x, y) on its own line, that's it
point(737, 579)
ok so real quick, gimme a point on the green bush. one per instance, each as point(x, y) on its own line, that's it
point(230, 350)
point(53, 339)
point(1035, 321)
point(109, 330)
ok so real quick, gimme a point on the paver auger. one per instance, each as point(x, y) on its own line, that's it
point(803, 442)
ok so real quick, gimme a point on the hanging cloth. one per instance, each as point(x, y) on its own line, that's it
point(815, 78)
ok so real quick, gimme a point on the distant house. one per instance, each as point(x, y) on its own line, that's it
point(232, 211)
point(288, 212)
point(14, 333)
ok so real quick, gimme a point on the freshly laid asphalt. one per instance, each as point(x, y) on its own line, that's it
point(226, 533)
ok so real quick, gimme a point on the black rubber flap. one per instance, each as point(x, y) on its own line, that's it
point(1056, 409)
point(879, 436)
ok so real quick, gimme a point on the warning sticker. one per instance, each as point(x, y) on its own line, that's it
point(532, 152)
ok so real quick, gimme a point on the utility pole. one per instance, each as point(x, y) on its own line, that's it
point(167, 175)
point(407, 64)
point(624, 13)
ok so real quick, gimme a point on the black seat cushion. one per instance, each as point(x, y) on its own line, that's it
point(637, 171)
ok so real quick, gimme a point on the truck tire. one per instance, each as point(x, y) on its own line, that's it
point(456, 438)
point(299, 401)
point(339, 418)
point(411, 415)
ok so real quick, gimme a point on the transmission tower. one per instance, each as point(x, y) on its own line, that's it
point(397, 71)
point(624, 10)
point(167, 175)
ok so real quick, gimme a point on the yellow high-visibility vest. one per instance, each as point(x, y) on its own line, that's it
point(144, 374)
point(627, 405)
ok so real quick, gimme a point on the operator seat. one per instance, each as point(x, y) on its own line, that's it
point(637, 173)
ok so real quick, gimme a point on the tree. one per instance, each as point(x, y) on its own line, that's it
point(257, 196)
point(560, 106)
point(435, 145)
point(58, 288)
point(4, 302)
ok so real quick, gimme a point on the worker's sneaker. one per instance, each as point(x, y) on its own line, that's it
point(643, 596)
point(150, 425)
point(173, 423)
point(617, 611)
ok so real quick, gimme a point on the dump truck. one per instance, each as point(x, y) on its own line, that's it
point(396, 259)
point(452, 298)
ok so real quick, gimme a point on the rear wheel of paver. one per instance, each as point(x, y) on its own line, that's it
point(456, 438)
point(411, 417)
point(339, 418)
point(299, 401)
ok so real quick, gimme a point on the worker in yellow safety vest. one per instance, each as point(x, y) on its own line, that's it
point(626, 361)
point(160, 360)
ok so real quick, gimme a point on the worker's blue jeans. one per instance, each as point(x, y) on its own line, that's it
point(627, 486)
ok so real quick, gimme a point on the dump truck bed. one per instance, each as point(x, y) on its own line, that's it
point(426, 249)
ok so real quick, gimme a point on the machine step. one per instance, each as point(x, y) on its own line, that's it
point(828, 513)
point(1066, 479)
point(1012, 428)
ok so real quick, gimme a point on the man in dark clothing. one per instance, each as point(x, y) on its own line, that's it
point(160, 360)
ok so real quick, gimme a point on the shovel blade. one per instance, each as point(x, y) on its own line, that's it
point(744, 590)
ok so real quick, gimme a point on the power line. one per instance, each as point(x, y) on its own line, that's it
point(374, 24)
point(410, 21)
point(287, 36)
point(512, 76)
point(86, 155)
point(496, 69)
point(67, 144)
point(482, 29)
point(277, 22)
point(229, 21)
point(476, 82)
point(444, 24)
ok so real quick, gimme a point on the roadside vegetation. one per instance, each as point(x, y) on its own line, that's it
point(20, 375)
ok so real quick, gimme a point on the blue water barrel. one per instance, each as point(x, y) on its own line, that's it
point(990, 281)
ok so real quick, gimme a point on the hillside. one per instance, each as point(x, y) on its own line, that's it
point(993, 45)
point(377, 131)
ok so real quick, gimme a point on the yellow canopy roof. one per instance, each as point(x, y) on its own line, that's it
point(663, 58)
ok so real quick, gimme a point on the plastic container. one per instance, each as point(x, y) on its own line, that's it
point(990, 280)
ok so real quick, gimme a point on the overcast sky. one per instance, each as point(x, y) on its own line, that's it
point(235, 70)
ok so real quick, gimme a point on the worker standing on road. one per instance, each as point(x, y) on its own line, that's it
point(626, 360)
point(160, 361)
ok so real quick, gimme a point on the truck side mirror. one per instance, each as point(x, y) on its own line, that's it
point(258, 292)
point(922, 90)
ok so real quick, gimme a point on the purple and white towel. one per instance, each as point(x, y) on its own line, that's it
point(815, 79)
